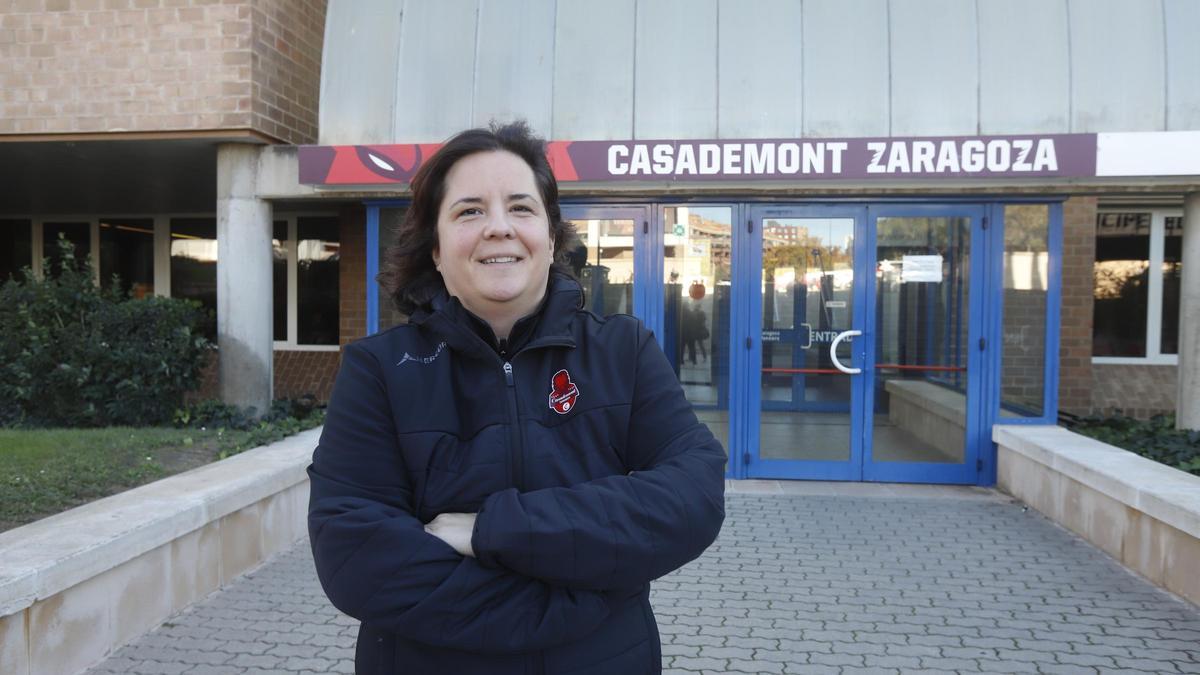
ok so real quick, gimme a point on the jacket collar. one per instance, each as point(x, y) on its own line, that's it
point(549, 325)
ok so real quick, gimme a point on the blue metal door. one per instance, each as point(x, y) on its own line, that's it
point(925, 343)
point(863, 342)
point(805, 301)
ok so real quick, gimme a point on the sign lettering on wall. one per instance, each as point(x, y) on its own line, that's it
point(1059, 155)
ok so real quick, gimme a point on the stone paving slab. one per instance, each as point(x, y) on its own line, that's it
point(883, 581)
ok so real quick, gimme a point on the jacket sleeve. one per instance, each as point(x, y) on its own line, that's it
point(619, 531)
point(377, 563)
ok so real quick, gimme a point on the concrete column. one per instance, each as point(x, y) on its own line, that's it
point(244, 291)
point(1187, 398)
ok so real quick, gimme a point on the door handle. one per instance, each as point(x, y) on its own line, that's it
point(833, 352)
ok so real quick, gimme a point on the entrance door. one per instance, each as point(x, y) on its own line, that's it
point(926, 344)
point(805, 412)
point(864, 348)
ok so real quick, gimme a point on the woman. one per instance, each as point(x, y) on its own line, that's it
point(499, 480)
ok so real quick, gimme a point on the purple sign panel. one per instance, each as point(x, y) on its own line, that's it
point(858, 158)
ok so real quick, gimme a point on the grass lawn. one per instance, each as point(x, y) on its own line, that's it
point(45, 471)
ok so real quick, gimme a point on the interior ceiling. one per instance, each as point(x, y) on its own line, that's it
point(108, 177)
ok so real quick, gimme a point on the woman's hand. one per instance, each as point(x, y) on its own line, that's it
point(455, 529)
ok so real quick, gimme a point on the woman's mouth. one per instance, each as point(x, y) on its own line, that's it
point(500, 259)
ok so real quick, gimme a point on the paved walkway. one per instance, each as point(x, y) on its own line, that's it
point(805, 578)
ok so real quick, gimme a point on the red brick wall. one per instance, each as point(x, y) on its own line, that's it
point(296, 373)
point(287, 40)
point(1134, 390)
point(86, 66)
point(299, 373)
point(1075, 342)
point(1022, 360)
point(352, 268)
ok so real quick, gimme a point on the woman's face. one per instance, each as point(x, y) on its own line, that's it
point(494, 247)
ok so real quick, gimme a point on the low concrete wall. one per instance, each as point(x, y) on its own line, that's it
point(929, 412)
point(78, 585)
point(1140, 512)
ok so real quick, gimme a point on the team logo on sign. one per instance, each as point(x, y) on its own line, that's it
point(563, 392)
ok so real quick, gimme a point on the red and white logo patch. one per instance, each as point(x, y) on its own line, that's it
point(563, 392)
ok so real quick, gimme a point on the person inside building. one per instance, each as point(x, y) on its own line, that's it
point(499, 479)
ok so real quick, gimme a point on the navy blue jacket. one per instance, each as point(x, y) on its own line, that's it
point(587, 487)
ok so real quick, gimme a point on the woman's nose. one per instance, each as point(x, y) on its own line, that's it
point(498, 226)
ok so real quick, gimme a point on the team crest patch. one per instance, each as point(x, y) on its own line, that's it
point(563, 392)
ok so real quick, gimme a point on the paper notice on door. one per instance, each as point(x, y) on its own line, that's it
point(921, 268)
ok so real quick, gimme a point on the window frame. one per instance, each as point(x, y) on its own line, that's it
point(162, 256)
point(1154, 295)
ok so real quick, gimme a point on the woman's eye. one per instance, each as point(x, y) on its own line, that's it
point(469, 212)
point(523, 207)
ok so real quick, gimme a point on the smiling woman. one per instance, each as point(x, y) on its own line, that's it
point(499, 480)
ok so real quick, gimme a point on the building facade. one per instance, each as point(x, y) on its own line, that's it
point(864, 232)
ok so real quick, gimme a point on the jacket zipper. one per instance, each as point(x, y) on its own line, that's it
point(518, 465)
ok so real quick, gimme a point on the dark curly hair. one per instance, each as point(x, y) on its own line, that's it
point(409, 276)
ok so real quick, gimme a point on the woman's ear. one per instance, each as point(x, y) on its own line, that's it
point(437, 260)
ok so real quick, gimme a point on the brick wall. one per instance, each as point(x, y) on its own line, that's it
point(287, 39)
point(296, 373)
point(352, 268)
point(1134, 390)
point(1022, 359)
point(86, 66)
point(1075, 342)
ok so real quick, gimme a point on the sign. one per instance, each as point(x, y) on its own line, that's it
point(1159, 153)
point(679, 230)
point(835, 304)
point(921, 268)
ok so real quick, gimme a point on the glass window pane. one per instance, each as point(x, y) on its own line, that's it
point(1026, 284)
point(922, 303)
point(194, 265)
point(78, 234)
point(127, 251)
point(16, 247)
point(1172, 271)
point(389, 223)
point(698, 241)
point(317, 255)
point(1121, 285)
point(604, 264)
point(279, 249)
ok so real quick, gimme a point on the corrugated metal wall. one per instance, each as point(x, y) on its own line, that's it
point(420, 70)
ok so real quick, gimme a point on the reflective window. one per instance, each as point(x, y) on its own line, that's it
point(1026, 283)
point(279, 280)
point(389, 223)
point(1172, 271)
point(318, 251)
point(194, 264)
point(604, 264)
point(16, 248)
point(697, 241)
point(1121, 284)
point(127, 252)
point(78, 234)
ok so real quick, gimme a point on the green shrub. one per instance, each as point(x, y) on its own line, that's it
point(1156, 439)
point(285, 418)
point(76, 355)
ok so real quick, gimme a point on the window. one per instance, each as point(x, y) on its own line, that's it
point(1026, 287)
point(279, 279)
point(16, 248)
point(317, 257)
point(79, 234)
point(194, 264)
point(127, 251)
point(1136, 286)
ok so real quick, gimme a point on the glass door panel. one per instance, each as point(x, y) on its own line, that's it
point(697, 246)
point(926, 347)
point(805, 410)
point(604, 263)
point(921, 330)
